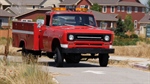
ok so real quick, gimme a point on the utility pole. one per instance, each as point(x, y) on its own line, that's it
point(7, 44)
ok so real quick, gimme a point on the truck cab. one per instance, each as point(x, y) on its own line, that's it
point(68, 34)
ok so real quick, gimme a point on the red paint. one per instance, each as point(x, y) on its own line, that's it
point(31, 40)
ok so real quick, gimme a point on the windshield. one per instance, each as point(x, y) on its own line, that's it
point(73, 19)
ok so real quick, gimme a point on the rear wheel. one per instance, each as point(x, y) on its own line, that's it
point(58, 57)
point(103, 60)
point(73, 58)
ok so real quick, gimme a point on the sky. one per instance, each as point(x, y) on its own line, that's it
point(143, 1)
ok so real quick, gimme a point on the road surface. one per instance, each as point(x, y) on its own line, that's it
point(90, 73)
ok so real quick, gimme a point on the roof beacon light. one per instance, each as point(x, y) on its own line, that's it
point(81, 9)
point(59, 9)
point(70, 8)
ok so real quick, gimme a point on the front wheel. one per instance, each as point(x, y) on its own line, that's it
point(58, 57)
point(103, 60)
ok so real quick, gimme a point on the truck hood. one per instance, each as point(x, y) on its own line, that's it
point(84, 29)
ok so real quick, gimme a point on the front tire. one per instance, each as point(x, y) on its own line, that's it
point(103, 60)
point(58, 57)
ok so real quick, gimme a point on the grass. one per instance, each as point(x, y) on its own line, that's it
point(140, 50)
point(12, 50)
point(17, 73)
point(3, 41)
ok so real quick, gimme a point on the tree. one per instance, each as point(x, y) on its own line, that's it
point(128, 23)
point(96, 7)
point(120, 29)
point(148, 5)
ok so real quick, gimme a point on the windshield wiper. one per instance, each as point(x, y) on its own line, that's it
point(68, 25)
point(87, 25)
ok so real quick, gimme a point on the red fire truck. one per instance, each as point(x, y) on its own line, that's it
point(66, 33)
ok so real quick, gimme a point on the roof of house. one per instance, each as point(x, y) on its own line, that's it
point(98, 15)
point(145, 19)
point(5, 14)
point(69, 2)
point(104, 17)
point(104, 2)
point(124, 3)
point(50, 3)
point(44, 9)
point(17, 10)
point(4, 2)
point(26, 2)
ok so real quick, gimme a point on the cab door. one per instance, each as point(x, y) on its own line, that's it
point(47, 40)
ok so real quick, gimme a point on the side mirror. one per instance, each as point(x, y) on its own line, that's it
point(40, 22)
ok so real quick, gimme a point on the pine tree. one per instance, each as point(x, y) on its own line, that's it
point(120, 29)
point(128, 23)
point(96, 7)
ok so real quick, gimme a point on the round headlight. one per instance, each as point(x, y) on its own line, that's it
point(71, 37)
point(106, 38)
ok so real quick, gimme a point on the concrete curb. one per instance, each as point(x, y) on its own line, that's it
point(141, 66)
point(136, 64)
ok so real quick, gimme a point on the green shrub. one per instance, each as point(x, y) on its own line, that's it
point(3, 40)
point(124, 36)
point(133, 36)
point(125, 41)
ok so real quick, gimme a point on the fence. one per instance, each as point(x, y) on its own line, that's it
point(4, 33)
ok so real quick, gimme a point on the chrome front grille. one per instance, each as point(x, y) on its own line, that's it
point(89, 37)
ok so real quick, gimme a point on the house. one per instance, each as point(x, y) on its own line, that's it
point(5, 17)
point(4, 4)
point(143, 23)
point(105, 21)
point(33, 4)
point(17, 10)
point(47, 3)
point(29, 4)
point(120, 7)
point(33, 15)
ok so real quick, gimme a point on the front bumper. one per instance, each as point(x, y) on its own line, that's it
point(87, 50)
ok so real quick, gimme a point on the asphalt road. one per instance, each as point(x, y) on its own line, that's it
point(90, 73)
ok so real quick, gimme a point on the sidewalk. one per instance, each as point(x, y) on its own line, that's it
point(143, 63)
